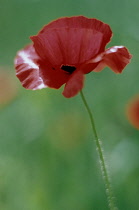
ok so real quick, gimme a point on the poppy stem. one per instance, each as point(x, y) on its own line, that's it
point(103, 165)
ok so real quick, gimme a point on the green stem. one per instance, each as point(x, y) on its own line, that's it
point(104, 171)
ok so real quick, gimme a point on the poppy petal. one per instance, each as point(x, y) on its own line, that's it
point(116, 58)
point(54, 77)
point(74, 84)
point(81, 22)
point(27, 69)
point(70, 46)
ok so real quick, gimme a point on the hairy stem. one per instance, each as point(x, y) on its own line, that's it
point(99, 148)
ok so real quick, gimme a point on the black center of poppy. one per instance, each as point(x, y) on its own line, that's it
point(68, 69)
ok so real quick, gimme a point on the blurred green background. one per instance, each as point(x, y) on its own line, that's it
point(48, 159)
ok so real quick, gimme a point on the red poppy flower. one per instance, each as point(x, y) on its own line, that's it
point(65, 50)
point(133, 111)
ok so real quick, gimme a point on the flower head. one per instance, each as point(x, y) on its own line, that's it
point(133, 111)
point(64, 51)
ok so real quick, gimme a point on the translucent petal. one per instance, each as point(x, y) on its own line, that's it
point(27, 69)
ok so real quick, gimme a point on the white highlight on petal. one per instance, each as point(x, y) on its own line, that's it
point(96, 59)
point(113, 49)
point(40, 86)
point(27, 60)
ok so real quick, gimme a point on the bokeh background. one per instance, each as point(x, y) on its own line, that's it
point(48, 159)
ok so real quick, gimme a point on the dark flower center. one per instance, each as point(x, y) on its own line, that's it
point(68, 69)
